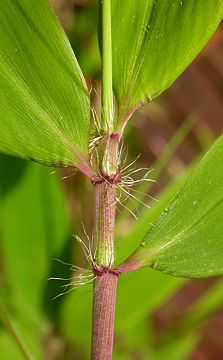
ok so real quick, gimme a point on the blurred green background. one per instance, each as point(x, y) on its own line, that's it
point(158, 317)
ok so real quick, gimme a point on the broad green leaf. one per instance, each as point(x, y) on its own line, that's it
point(153, 41)
point(187, 238)
point(44, 102)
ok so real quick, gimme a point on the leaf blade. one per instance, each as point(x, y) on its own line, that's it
point(153, 43)
point(186, 240)
point(45, 111)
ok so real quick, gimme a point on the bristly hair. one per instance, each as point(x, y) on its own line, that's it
point(81, 276)
point(128, 182)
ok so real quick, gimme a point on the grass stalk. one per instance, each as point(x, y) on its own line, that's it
point(107, 92)
point(104, 225)
point(104, 316)
point(106, 281)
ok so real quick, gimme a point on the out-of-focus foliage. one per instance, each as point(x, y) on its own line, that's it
point(34, 229)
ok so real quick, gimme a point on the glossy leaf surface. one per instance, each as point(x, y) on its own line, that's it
point(187, 239)
point(153, 43)
point(44, 103)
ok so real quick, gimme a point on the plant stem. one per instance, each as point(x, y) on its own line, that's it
point(106, 282)
point(104, 223)
point(107, 94)
point(104, 316)
point(104, 215)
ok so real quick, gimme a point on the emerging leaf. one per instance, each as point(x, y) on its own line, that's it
point(153, 43)
point(44, 103)
point(187, 239)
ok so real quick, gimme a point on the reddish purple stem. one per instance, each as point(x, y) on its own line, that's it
point(104, 316)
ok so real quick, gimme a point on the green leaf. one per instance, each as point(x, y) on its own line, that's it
point(187, 238)
point(44, 102)
point(153, 43)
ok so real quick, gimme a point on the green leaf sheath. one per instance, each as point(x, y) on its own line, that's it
point(44, 102)
point(153, 43)
point(187, 239)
